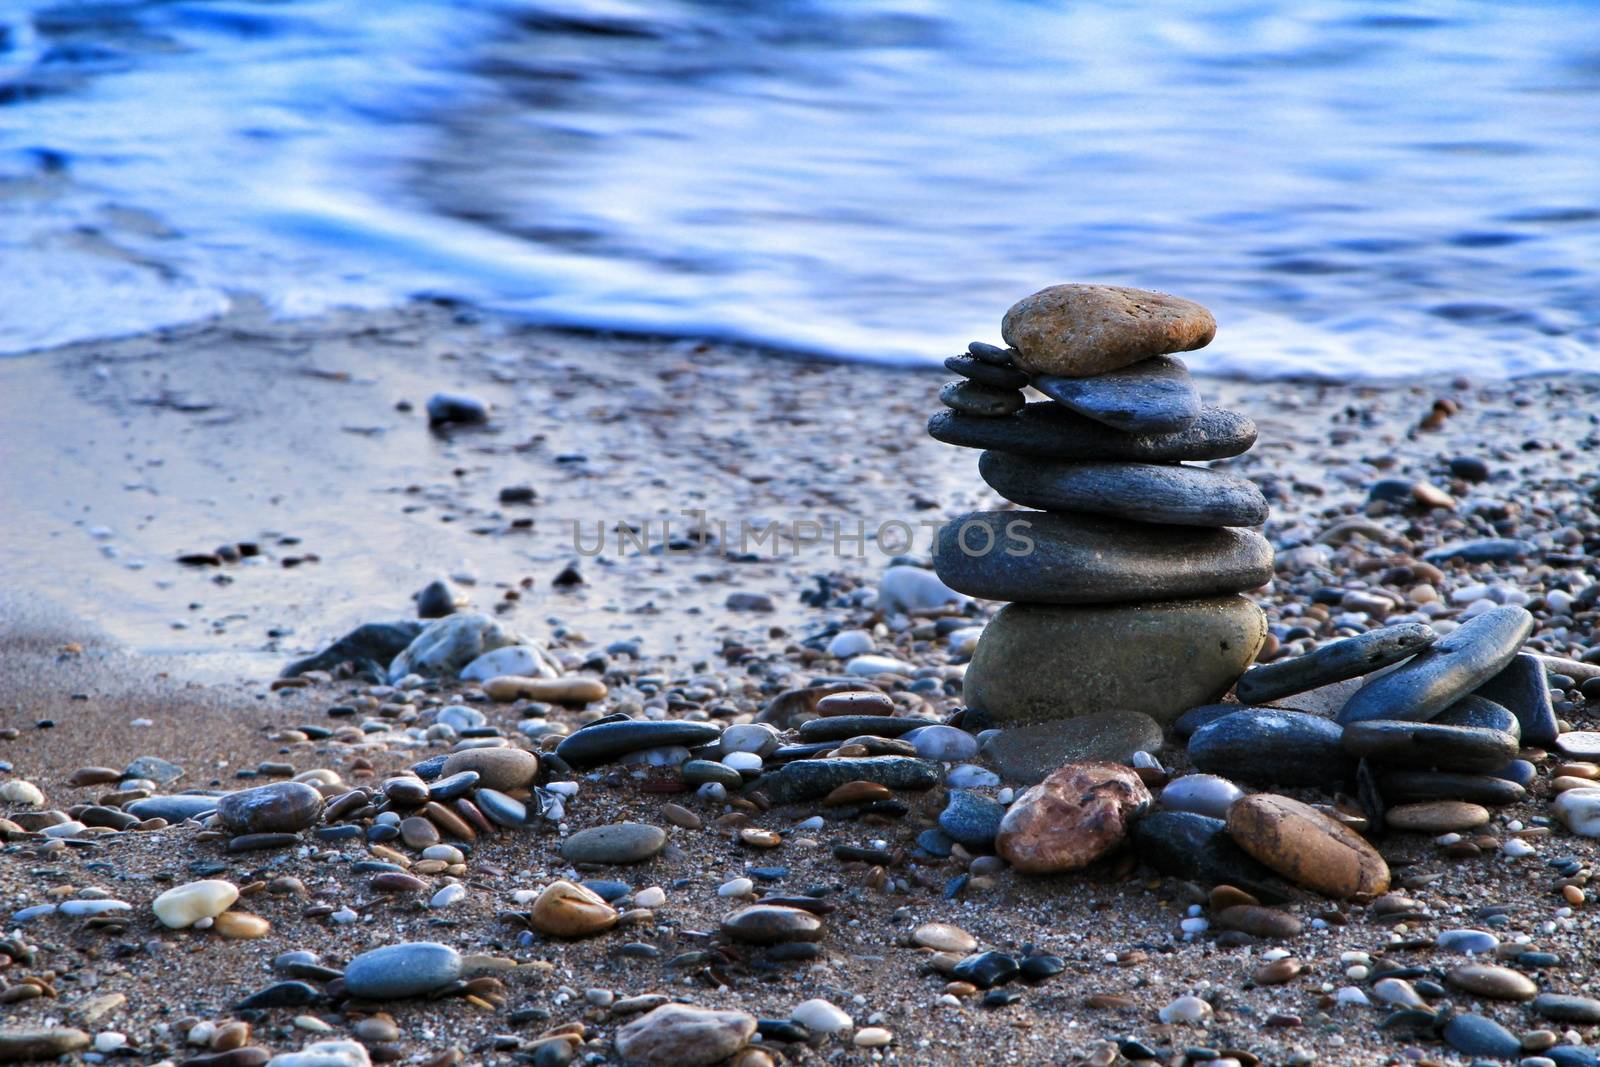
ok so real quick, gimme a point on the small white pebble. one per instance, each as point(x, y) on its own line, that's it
point(736, 887)
point(873, 1037)
point(653, 897)
point(1191, 1010)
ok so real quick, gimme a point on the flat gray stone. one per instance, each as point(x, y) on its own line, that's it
point(1154, 395)
point(1523, 688)
point(605, 742)
point(1031, 752)
point(154, 768)
point(1445, 672)
point(174, 808)
point(1265, 746)
point(1042, 558)
point(1170, 494)
point(1050, 431)
point(985, 373)
point(1488, 550)
point(842, 727)
point(1412, 787)
point(622, 842)
point(1474, 710)
point(278, 807)
point(1426, 744)
point(1567, 1008)
point(1580, 744)
point(809, 779)
point(983, 401)
point(1334, 662)
point(397, 971)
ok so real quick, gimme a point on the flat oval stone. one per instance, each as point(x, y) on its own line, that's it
point(1042, 558)
point(1029, 752)
point(1580, 744)
point(1523, 688)
point(986, 969)
point(942, 937)
point(679, 1035)
point(1479, 713)
point(394, 972)
point(1494, 982)
point(185, 905)
point(281, 807)
point(1198, 849)
point(1257, 921)
point(1334, 662)
point(1579, 811)
point(1567, 1008)
point(1270, 747)
point(1042, 662)
point(40, 1044)
point(1154, 395)
point(497, 768)
point(501, 809)
point(1307, 847)
point(605, 742)
point(812, 779)
point(981, 401)
point(1406, 787)
point(1423, 744)
point(1479, 1036)
point(1472, 942)
point(563, 909)
point(1446, 671)
point(1077, 815)
point(1050, 431)
point(623, 842)
point(841, 727)
point(1202, 794)
point(1437, 817)
point(944, 743)
point(1167, 494)
point(766, 924)
point(700, 771)
point(1079, 330)
point(175, 808)
point(986, 373)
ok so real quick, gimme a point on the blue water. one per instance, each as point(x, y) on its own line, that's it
point(1356, 188)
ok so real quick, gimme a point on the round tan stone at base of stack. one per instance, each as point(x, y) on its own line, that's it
point(1037, 662)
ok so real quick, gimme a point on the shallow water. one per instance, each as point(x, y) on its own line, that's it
point(1356, 188)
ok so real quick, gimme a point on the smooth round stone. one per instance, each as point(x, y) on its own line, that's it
point(1198, 849)
point(183, 906)
point(753, 737)
point(993, 354)
point(1399, 992)
point(31, 1045)
point(154, 768)
point(1166, 494)
point(446, 645)
point(812, 779)
point(986, 373)
point(1471, 942)
point(982, 401)
point(418, 832)
point(174, 809)
point(972, 776)
point(1028, 753)
point(1523, 688)
point(1080, 330)
point(742, 761)
point(933, 841)
point(1408, 787)
point(1519, 771)
point(1445, 672)
point(518, 661)
point(281, 807)
point(1307, 847)
point(605, 742)
point(497, 768)
point(986, 969)
point(1476, 1035)
point(464, 408)
point(566, 910)
point(1436, 817)
point(971, 820)
point(1154, 395)
point(1186, 724)
point(821, 1017)
point(1270, 747)
point(769, 924)
point(1075, 816)
point(942, 937)
point(1334, 662)
point(455, 785)
point(872, 666)
point(1567, 1008)
point(1488, 980)
point(700, 771)
point(944, 743)
point(678, 1035)
point(501, 809)
point(1579, 811)
point(623, 842)
point(863, 701)
point(1422, 744)
point(1044, 558)
point(1580, 744)
point(842, 727)
point(1481, 714)
point(905, 589)
point(394, 972)
point(1045, 662)
point(1050, 431)
point(1202, 794)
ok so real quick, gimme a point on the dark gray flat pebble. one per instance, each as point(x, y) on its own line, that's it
point(1349, 658)
point(1445, 672)
point(972, 820)
point(813, 778)
point(291, 994)
point(1524, 689)
point(986, 373)
point(1475, 711)
point(1423, 745)
point(1265, 746)
point(1489, 550)
point(604, 742)
point(1166, 493)
point(1154, 395)
point(1050, 431)
point(1477, 1035)
point(1198, 849)
point(1409, 787)
point(980, 401)
point(840, 727)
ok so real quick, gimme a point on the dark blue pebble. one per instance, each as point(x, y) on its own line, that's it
point(1518, 770)
point(341, 832)
point(767, 874)
point(935, 842)
point(1477, 1035)
point(608, 891)
point(430, 768)
point(1038, 968)
point(782, 1030)
point(986, 969)
point(1537, 960)
point(457, 785)
point(954, 886)
point(1573, 1056)
point(640, 950)
point(380, 832)
point(999, 998)
point(375, 867)
point(280, 995)
point(971, 819)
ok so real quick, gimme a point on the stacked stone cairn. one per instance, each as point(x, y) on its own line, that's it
point(1124, 579)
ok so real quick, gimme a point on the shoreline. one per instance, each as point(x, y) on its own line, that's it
point(286, 435)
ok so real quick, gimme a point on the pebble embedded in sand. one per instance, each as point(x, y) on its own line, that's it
point(185, 905)
point(575, 691)
point(394, 972)
point(567, 910)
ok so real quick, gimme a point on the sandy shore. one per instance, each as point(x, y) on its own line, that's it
point(307, 439)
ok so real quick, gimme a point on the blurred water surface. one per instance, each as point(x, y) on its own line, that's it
point(1357, 188)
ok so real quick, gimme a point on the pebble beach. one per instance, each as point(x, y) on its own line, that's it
point(420, 687)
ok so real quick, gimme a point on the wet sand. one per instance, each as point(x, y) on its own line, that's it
point(121, 456)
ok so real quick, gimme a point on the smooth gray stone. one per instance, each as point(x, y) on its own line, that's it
point(604, 742)
point(1523, 688)
point(1579, 744)
point(1567, 1008)
point(1334, 662)
point(1519, 771)
point(154, 768)
point(982, 401)
point(1410, 787)
point(808, 779)
point(986, 373)
point(371, 647)
point(1445, 672)
point(501, 809)
point(1473, 710)
point(621, 842)
point(1265, 746)
point(1489, 550)
point(700, 771)
point(971, 819)
point(278, 807)
point(841, 727)
point(1050, 431)
point(174, 808)
point(1154, 395)
point(397, 971)
point(1036, 557)
point(1425, 744)
point(1186, 724)
point(1198, 849)
point(1164, 493)
point(1031, 752)
point(1477, 1035)
point(1000, 357)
